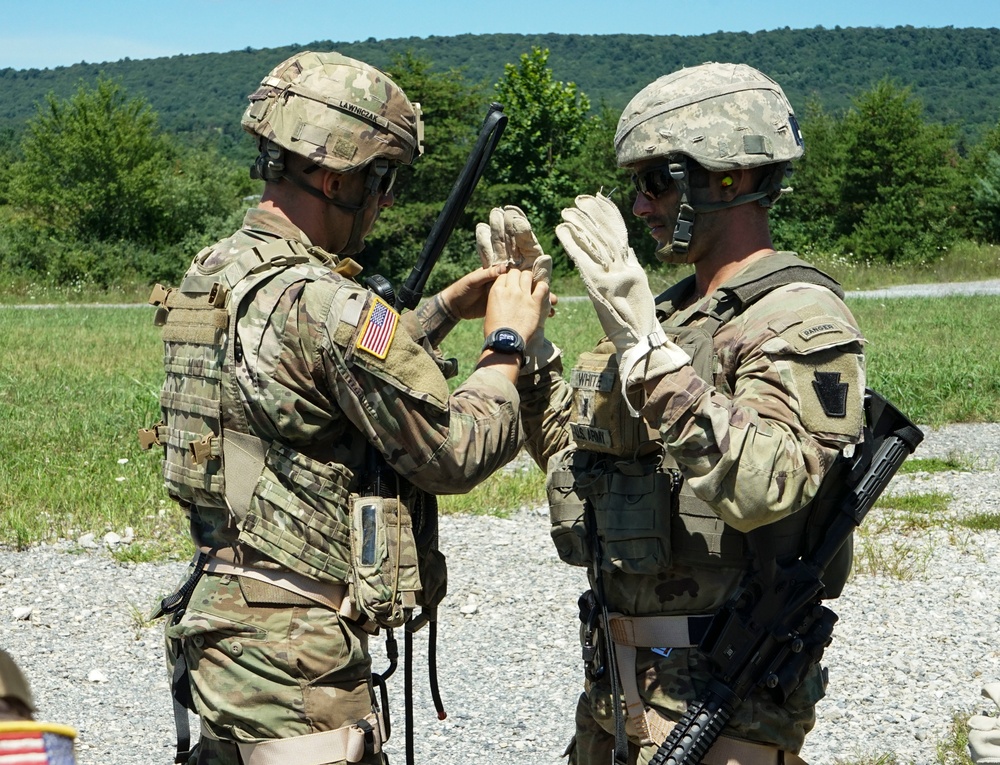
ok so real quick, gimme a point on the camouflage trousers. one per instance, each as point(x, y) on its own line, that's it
point(666, 684)
point(263, 670)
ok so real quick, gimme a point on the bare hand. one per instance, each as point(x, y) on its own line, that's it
point(517, 302)
point(467, 297)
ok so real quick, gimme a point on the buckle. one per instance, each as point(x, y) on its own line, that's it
point(150, 437)
point(201, 450)
point(159, 294)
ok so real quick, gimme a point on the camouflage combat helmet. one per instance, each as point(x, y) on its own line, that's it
point(339, 112)
point(722, 116)
point(13, 685)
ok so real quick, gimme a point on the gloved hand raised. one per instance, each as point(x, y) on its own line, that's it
point(594, 235)
point(984, 731)
point(508, 239)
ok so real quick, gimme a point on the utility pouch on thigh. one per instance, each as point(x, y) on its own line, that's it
point(633, 521)
point(384, 559)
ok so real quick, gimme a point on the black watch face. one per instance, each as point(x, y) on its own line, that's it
point(506, 338)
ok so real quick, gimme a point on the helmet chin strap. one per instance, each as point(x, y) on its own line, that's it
point(677, 250)
point(270, 166)
point(355, 242)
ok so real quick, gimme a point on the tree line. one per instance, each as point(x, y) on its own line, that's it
point(97, 191)
point(954, 72)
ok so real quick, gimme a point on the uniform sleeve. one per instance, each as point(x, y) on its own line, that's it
point(795, 364)
point(546, 401)
point(394, 392)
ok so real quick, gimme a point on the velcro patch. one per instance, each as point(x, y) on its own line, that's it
point(818, 329)
point(829, 385)
point(831, 392)
point(375, 335)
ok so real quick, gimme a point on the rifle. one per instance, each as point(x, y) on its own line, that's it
point(377, 470)
point(489, 136)
point(774, 628)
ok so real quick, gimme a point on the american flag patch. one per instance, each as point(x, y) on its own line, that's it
point(33, 746)
point(378, 329)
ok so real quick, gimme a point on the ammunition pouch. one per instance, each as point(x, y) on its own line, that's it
point(633, 503)
point(600, 421)
point(384, 558)
point(300, 515)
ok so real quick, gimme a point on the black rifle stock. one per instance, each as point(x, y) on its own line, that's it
point(775, 628)
point(489, 136)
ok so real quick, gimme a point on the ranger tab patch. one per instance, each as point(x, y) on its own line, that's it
point(832, 393)
point(375, 335)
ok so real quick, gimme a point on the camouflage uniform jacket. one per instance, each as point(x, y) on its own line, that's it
point(752, 439)
point(317, 390)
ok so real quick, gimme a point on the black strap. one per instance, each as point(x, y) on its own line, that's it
point(408, 692)
point(180, 690)
point(610, 660)
point(180, 680)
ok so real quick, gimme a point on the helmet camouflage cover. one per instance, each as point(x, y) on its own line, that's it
point(337, 111)
point(723, 116)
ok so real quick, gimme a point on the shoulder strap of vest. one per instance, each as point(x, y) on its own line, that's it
point(669, 299)
point(767, 274)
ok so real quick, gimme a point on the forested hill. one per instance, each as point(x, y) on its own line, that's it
point(954, 72)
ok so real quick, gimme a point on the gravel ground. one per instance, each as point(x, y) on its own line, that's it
point(905, 656)
point(907, 653)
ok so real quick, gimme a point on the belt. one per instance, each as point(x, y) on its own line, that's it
point(346, 744)
point(728, 750)
point(333, 596)
point(631, 632)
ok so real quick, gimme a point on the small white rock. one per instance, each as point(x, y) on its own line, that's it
point(470, 607)
point(96, 676)
point(22, 613)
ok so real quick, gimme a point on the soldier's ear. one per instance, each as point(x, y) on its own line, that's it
point(730, 184)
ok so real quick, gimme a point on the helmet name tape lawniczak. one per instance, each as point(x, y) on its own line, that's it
point(722, 116)
point(337, 111)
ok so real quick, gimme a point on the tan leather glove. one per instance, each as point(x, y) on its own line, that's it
point(508, 238)
point(594, 235)
point(984, 732)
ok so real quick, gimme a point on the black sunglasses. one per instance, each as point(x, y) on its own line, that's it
point(381, 176)
point(653, 182)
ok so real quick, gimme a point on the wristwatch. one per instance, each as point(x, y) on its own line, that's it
point(505, 340)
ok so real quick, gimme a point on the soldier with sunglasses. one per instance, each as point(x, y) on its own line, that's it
point(694, 440)
point(287, 384)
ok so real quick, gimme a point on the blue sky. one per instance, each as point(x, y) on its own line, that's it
point(50, 33)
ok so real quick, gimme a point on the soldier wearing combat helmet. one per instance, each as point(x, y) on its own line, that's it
point(305, 425)
point(713, 410)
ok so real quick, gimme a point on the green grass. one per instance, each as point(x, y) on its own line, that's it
point(981, 521)
point(22, 291)
point(76, 383)
point(934, 357)
point(503, 493)
point(916, 512)
point(954, 462)
point(964, 262)
point(954, 748)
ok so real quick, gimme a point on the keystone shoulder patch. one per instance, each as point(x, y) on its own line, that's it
point(831, 392)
